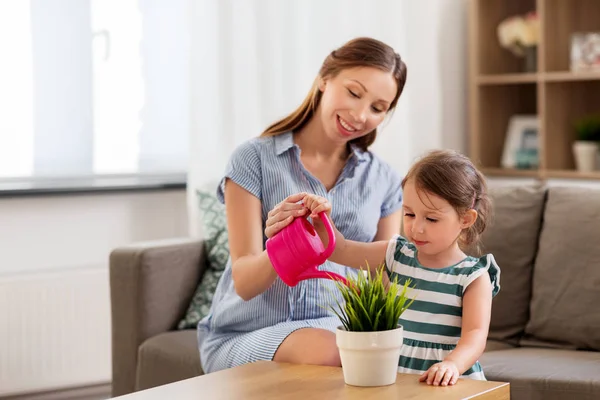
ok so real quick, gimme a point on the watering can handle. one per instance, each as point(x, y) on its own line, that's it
point(330, 233)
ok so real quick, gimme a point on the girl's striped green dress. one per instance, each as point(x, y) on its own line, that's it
point(432, 324)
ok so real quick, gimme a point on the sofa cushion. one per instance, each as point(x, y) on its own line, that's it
point(545, 374)
point(166, 358)
point(216, 245)
point(512, 238)
point(566, 277)
point(494, 345)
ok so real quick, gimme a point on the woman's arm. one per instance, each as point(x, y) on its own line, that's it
point(477, 306)
point(251, 269)
point(348, 252)
point(389, 226)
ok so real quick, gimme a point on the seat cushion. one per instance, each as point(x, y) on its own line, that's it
point(545, 374)
point(566, 275)
point(166, 358)
point(512, 238)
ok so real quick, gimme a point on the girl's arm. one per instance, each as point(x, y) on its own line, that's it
point(357, 254)
point(251, 268)
point(477, 309)
point(348, 252)
point(386, 229)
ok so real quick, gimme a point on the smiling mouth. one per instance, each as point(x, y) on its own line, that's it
point(349, 128)
point(419, 242)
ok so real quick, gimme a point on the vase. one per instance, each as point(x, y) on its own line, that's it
point(370, 358)
point(530, 59)
point(586, 155)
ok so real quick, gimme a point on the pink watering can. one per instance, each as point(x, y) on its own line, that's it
point(297, 251)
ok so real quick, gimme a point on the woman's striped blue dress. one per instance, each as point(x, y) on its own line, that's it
point(432, 324)
point(237, 331)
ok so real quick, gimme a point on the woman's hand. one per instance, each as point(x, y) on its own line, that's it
point(316, 205)
point(441, 374)
point(284, 213)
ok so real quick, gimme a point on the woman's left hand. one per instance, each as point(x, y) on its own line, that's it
point(441, 374)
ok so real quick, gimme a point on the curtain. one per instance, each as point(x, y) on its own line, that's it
point(93, 87)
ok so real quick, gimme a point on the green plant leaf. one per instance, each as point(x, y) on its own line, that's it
point(587, 128)
point(370, 306)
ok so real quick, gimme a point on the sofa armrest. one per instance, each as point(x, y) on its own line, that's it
point(151, 286)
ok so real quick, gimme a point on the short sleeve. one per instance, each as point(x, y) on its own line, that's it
point(393, 198)
point(486, 264)
point(243, 168)
point(395, 245)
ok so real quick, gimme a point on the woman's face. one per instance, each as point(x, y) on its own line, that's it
point(355, 102)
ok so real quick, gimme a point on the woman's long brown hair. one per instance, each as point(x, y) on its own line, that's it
point(359, 52)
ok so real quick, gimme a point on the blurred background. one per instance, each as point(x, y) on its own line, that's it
point(112, 114)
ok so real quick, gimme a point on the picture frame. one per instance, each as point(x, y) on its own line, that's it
point(521, 144)
point(585, 52)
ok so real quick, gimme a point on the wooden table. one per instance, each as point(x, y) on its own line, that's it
point(270, 380)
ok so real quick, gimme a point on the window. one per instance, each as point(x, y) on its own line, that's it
point(93, 87)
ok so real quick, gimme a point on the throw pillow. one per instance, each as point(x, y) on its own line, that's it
point(216, 246)
point(512, 238)
point(566, 274)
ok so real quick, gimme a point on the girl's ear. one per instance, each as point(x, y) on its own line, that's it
point(468, 219)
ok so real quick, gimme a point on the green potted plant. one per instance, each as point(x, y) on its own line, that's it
point(370, 337)
point(586, 145)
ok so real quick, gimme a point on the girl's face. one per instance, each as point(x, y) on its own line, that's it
point(355, 102)
point(430, 222)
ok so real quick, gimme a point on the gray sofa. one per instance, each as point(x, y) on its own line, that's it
point(545, 329)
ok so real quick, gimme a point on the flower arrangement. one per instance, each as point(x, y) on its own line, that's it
point(519, 32)
point(369, 305)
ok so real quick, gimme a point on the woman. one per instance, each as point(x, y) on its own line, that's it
point(321, 148)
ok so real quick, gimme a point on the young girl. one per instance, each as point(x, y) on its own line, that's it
point(445, 211)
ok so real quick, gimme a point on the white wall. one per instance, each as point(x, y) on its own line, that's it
point(64, 232)
point(436, 36)
point(54, 293)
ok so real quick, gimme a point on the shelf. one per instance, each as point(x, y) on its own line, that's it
point(497, 79)
point(496, 105)
point(565, 103)
point(511, 172)
point(491, 57)
point(568, 76)
point(499, 87)
point(534, 173)
point(562, 20)
point(572, 174)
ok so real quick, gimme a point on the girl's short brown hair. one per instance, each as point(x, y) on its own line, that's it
point(453, 177)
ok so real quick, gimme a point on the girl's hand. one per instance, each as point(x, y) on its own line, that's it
point(441, 374)
point(284, 213)
point(316, 205)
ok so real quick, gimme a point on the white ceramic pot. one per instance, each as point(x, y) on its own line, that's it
point(586, 155)
point(370, 358)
